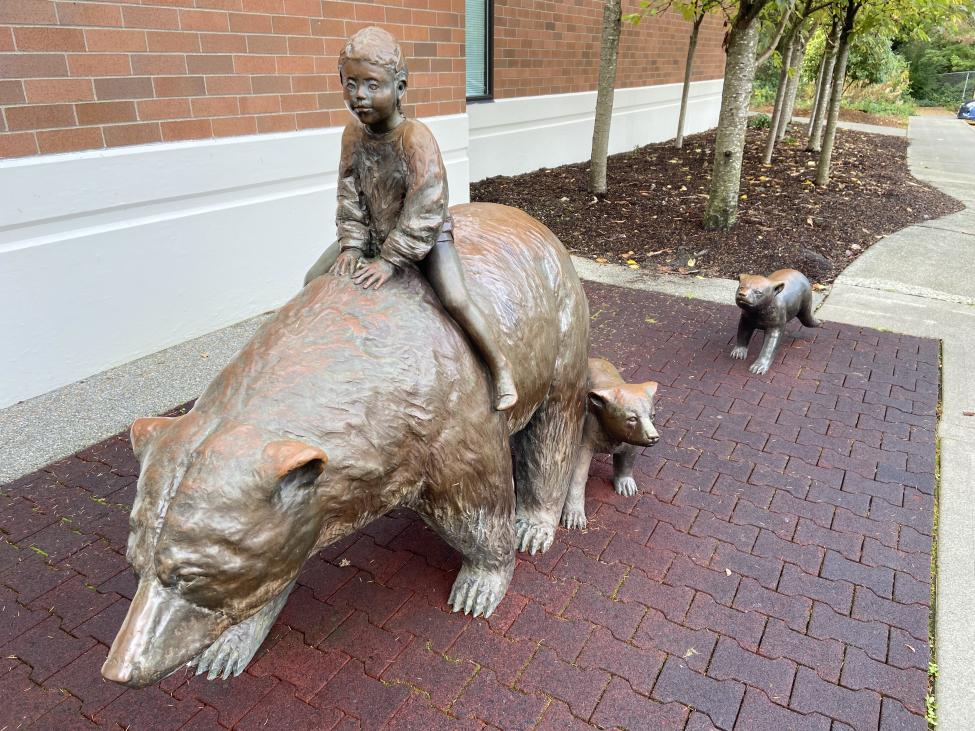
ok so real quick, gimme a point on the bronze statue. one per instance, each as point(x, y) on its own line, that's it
point(346, 404)
point(392, 197)
point(768, 303)
point(619, 419)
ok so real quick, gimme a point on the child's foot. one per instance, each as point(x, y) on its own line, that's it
point(505, 393)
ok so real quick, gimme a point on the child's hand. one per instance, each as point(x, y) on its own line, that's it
point(375, 273)
point(347, 262)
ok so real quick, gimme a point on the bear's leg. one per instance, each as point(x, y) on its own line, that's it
point(574, 510)
point(805, 313)
point(623, 460)
point(745, 330)
point(233, 650)
point(544, 453)
point(773, 335)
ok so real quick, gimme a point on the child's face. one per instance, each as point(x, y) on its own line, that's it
point(371, 93)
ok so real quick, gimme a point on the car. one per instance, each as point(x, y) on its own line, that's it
point(967, 112)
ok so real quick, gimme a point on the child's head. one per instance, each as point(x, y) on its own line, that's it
point(376, 46)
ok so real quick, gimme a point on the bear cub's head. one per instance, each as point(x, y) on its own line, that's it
point(755, 291)
point(625, 412)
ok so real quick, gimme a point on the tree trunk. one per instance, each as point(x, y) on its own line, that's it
point(608, 55)
point(836, 94)
point(818, 90)
point(780, 29)
point(779, 102)
point(729, 144)
point(792, 87)
point(688, 65)
point(817, 122)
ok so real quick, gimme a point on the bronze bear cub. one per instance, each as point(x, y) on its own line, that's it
point(768, 303)
point(619, 419)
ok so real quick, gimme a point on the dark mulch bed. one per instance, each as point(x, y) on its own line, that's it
point(651, 217)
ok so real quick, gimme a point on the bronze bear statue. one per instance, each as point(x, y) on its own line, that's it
point(768, 303)
point(619, 419)
point(346, 404)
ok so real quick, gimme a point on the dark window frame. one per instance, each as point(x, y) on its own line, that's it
point(489, 57)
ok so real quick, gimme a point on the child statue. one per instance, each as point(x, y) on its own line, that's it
point(392, 197)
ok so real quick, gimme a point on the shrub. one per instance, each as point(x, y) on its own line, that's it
point(759, 121)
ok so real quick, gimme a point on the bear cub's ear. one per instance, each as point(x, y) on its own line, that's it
point(143, 431)
point(650, 389)
point(294, 464)
point(599, 399)
point(779, 286)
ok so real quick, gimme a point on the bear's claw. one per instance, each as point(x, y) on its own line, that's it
point(574, 518)
point(739, 353)
point(758, 367)
point(477, 592)
point(625, 486)
point(533, 537)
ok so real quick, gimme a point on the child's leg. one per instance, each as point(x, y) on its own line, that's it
point(443, 270)
point(324, 262)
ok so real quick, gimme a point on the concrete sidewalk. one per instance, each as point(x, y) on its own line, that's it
point(921, 281)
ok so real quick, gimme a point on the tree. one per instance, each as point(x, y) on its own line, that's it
point(605, 91)
point(817, 115)
point(729, 144)
point(694, 12)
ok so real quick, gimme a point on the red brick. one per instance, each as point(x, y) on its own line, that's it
point(83, 679)
point(17, 618)
point(861, 709)
point(12, 92)
point(558, 717)
point(551, 593)
point(136, 87)
point(808, 558)
point(894, 717)
point(375, 647)
point(40, 116)
point(825, 656)
point(158, 109)
point(486, 699)
point(32, 576)
point(230, 84)
point(720, 700)
point(179, 86)
point(49, 39)
point(907, 652)
point(838, 594)
point(753, 597)
point(41, 91)
point(306, 668)
point(369, 700)
point(432, 672)
point(575, 565)
point(766, 571)
point(280, 709)
point(416, 713)
point(232, 699)
point(879, 579)
point(579, 688)
point(75, 601)
point(132, 134)
point(719, 584)
point(46, 648)
point(504, 657)
point(431, 624)
point(24, 702)
point(877, 554)
point(621, 618)
point(172, 41)
point(745, 627)
point(672, 601)
point(637, 666)
point(652, 561)
point(115, 40)
point(672, 517)
point(707, 524)
point(377, 601)
point(907, 686)
point(565, 636)
point(323, 578)
point(868, 636)
point(151, 18)
point(694, 646)
point(620, 706)
point(631, 527)
point(89, 14)
point(27, 11)
point(759, 714)
point(773, 677)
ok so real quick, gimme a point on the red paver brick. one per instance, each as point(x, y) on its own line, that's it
point(741, 536)
point(206, 719)
point(558, 717)
point(315, 620)
point(377, 601)
point(416, 713)
point(374, 646)
point(23, 701)
point(580, 688)
point(907, 652)
point(758, 713)
point(621, 707)
point(17, 618)
point(148, 708)
point(868, 636)
point(31, 576)
point(550, 592)
point(794, 611)
point(848, 522)
point(65, 716)
point(488, 700)
point(773, 677)
point(766, 571)
point(912, 618)
point(323, 578)
point(810, 534)
point(838, 594)
point(619, 617)
point(811, 694)
point(637, 666)
point(104, 625)
point(427, 582)
point(22, 518)
point(808, 558)
point(745, 627)
point(231, 699)
point(355, 693)
point(720, 700)
point(97, 562)
point(83, 679)
point(880, 579)
point(699, 722)
point(721, 585)
point(506, 657)
point(75, 601)
point(434, 673)
point(632, 527)
point(657, 633)
point(651, 560)
point(306, 668)
point(914, 564)
point(907, 686)
point(894, 717)
point(825, 656)
point(437, 627)
point(673, 601)
point(281, 709)
point(565, 636)
point(577, 566)
point(46, 648)
point(380, 563)
point(672, 519)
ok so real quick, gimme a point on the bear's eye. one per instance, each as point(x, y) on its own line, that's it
point(631, 419)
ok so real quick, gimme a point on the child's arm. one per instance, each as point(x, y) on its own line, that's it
point(351, 219)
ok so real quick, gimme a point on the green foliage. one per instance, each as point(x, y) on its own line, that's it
point(759, 121)
point(882, 107)
point(872, 59)
point(929, 60)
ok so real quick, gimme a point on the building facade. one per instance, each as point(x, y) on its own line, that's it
point(168, 167)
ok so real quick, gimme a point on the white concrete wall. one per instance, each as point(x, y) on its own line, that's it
point(513, 136)
point(107, 256)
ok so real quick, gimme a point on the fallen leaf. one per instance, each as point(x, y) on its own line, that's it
point(691, 652)
point(727, 572)
point(344, 562)
point(691, 262)
point(968, 413)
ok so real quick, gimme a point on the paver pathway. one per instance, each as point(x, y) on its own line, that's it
point(772, 573)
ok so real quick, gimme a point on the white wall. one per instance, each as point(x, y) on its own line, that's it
point(107, 256)
point(512, 136)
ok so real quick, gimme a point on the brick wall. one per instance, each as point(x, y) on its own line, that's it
point(552, 47)
point(86, 75)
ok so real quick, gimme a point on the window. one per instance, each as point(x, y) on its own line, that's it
point(479, 29)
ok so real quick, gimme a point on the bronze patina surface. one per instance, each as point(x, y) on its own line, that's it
point(350, 402)
point(619, 419)
point(768, 303)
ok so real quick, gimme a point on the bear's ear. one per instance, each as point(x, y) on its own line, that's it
point(599, 399)
point(779, 286)
point(650, 389)
point(293, 463)
point(143, 431)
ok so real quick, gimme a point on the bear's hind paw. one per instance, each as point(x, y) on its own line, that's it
point(477, 592)
point(625, 486)
point(574, 518)
point(532, 537)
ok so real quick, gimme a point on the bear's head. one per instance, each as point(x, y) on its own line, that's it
point(755, 292)
point(224, 516)
point(625, 412)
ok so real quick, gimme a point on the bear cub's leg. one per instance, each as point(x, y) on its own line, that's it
point(574, 510)
point(745, 330)
point(805, 314)
point(623, 460)
point(773, 335)
point(233, 650)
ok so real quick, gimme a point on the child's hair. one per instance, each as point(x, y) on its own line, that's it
point(374, 45)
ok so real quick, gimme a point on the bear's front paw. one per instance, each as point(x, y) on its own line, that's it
point(229, 655)
point(625, 486)
point(574, 518)
point(478, 591)
point(759, 367)
point(532, 537)
point(739, 352)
